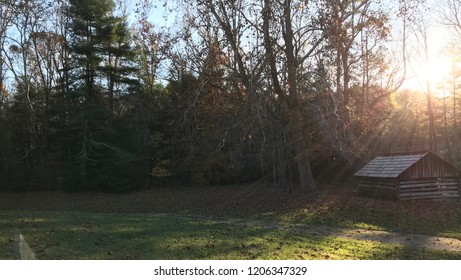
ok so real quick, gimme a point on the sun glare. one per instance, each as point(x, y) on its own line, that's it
point(436, 70)
point(434, 73)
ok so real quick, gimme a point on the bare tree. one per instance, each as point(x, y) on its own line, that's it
point(422, 48)
point(7, 15)
point(27, 20)
point(451, 16)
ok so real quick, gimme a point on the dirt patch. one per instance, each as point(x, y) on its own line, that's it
point(22, 248)
point(414, 240)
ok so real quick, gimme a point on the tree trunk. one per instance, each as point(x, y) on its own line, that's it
point(111, 98)
point(307, 183)
point(292, 100)
point(84, 156)
point(2, 88)
point(306, 178)
point(430, 112)
point(346, 81)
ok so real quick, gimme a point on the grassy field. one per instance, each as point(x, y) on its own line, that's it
point(120, 226)
point(66, 235)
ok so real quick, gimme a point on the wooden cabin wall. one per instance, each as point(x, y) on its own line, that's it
point(408, 190)
point(378, 187)
point(429, 189)
point(430, 167)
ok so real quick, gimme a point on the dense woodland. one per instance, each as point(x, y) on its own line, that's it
point(95, 97)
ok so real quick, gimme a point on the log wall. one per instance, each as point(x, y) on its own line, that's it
point(429, 189)
point(378, 188)
point(407, 190)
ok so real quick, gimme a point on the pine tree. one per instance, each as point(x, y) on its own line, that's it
point(101, 66)
point(119, 59)
point(89, 18)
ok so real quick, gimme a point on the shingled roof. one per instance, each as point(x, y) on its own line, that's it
point(389, 166)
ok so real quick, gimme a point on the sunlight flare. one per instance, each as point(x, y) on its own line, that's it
point(435, 71)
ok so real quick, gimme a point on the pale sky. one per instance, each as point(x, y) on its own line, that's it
point(417, 70)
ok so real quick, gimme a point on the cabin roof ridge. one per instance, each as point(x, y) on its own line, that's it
point(394, 165)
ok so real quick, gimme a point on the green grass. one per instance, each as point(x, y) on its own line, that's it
point(338, 208)
point(418, 217)
point(81, 235)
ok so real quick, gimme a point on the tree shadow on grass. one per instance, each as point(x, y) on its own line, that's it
point(67, 235)
point(99, 236)
point(347, 210)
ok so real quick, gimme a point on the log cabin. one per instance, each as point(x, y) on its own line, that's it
point(422, 175)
